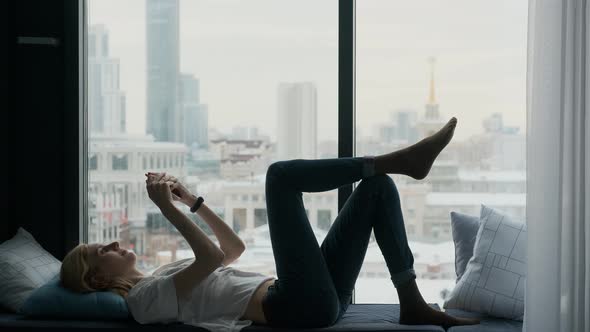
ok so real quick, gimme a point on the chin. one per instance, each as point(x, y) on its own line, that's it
point(130, 255)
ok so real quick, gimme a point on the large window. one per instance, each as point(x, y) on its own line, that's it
point(419, 63)
point(214, 91)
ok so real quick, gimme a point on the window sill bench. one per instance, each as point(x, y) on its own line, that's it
point(364, 317)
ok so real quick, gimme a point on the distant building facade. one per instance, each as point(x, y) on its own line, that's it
point(106, 100)
point(195, 114)
point(116, 184)
point(297, 121)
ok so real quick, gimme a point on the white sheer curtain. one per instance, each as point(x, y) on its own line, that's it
point(558, 167)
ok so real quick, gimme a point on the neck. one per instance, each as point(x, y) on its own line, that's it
point(135, 275)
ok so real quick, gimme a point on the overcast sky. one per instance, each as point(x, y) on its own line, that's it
point(241, 50)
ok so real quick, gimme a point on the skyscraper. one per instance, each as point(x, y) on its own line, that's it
point(106, 101)
point(196, 119)
point(297, 120)
point(164, 117)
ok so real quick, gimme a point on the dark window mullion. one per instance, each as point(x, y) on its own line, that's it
point(346, 90)
point(75, 136)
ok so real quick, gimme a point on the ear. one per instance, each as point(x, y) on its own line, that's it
point(99, 280)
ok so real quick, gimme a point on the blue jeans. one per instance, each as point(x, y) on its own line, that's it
point(315, 283)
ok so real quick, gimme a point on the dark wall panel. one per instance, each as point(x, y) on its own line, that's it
point(42, 129)
point(6, 59)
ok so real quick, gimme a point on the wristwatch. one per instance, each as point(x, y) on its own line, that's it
point(197, 204)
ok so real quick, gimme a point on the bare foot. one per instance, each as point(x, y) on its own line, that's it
point(427, 315)
point(417, 159)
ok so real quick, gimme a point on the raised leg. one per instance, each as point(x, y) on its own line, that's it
point(374, 204)
point(304, 294)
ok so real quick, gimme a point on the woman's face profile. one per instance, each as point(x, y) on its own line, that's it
point(110, 259)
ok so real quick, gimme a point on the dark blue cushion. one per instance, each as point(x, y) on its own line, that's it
point(487, 323)
point(54, 301)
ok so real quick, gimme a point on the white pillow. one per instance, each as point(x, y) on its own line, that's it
point(24, 266)
point(494, 280)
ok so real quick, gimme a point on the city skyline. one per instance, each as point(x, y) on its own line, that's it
point(478, 73)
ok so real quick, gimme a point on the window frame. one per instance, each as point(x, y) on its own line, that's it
point(346, 103)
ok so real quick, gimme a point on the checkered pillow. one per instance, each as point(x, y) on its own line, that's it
point(24, 267)
point(494, 280)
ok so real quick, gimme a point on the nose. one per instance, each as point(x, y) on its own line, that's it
point(114, 245)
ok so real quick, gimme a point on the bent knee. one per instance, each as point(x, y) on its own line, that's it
point(380, 181)
point(274, 170)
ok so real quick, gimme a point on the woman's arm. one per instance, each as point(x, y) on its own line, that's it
point(208, 255)
point(230, 243)
point(202, 246)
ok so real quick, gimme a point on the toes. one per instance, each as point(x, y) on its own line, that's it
point(451, 125)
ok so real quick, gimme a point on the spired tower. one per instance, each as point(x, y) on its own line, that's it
point(431, 121)
point(446, 166)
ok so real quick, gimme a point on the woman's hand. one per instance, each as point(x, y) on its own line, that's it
point(179, 191)
point(159, 189)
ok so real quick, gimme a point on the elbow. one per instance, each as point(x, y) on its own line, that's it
point(238, 251)
point(232, 255)
point(235, 250)
point(241, 248)
point(215, 256)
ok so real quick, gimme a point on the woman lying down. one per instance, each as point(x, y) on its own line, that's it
point(314, 283)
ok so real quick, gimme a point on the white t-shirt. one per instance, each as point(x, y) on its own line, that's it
point(216, 304)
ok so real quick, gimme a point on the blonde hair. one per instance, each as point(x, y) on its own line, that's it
point(77, 275)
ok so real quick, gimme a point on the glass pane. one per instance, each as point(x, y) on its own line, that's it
point(212, 92)
point(419, 63)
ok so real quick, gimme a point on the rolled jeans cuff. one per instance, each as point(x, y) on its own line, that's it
point(368, 166)
point(401, 278)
